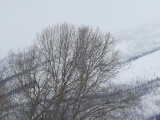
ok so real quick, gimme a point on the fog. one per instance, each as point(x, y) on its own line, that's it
point(20, 20)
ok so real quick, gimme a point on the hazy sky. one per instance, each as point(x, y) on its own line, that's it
point(20, 20)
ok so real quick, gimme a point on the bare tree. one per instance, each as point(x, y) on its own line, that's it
point(2, 97)
point(66, 75)
point(4, 101)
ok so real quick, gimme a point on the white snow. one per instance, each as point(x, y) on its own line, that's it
point(142, 69)
point(146, 68)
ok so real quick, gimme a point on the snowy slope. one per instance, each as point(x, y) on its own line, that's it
point(142, 69)
point(139, 71)
point(137, 40)
point(134, 42)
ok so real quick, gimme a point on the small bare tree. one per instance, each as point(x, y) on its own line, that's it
point(2, 97)
point(65, 76)
point(4, 101)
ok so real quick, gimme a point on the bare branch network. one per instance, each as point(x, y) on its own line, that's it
point(72, 68)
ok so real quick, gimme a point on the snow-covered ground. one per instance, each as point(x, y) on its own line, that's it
point(142, 69)
point(139, 71)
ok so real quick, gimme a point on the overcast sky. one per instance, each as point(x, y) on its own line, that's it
point(20, 20)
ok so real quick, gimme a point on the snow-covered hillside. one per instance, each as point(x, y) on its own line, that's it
point(144, 68)
point(137, 40)
point(138, 72)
